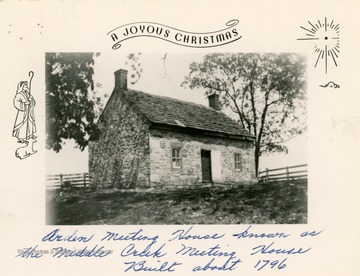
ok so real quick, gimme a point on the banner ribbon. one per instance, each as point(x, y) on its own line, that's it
point(176, 36)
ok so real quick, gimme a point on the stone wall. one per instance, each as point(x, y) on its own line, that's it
point(128, 154)
point(120, 157)
point(222, 158)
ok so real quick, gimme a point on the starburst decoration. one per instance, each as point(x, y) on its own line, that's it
point(326, 38)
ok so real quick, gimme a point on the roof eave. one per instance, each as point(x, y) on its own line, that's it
point(162, 126)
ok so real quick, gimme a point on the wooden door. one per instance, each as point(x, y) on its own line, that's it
point(206, 165)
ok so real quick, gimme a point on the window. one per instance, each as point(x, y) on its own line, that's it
point(238, 166)
point(176, 158)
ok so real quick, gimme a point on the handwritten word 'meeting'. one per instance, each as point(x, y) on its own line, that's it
point(213, 251)
point(133, 236)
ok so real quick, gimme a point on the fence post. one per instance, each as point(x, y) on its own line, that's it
point(84, 180)
point(287, 173)
point(267, 175)
point(61, 180)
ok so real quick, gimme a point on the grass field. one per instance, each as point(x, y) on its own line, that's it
point(271, 203)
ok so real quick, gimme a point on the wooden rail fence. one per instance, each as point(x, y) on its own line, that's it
point(298, 172)
point(57, 181)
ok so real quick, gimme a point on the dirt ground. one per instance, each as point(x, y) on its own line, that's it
point(271, 203)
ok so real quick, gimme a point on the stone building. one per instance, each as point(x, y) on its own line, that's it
point(149, 140)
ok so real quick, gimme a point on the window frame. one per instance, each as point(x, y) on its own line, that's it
point(238, 162)
point(176, 158)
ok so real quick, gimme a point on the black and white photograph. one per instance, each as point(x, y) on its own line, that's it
point(213, 138)
point(187, 147)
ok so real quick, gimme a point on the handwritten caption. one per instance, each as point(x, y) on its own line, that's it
point(213, 251)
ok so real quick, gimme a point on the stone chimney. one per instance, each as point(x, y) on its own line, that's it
point(121, 79)
point(214, 101)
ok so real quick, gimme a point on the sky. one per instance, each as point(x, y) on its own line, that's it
point(163, 79)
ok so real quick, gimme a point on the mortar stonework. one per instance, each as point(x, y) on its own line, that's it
point(120, 157)
point(134, 150)
point(162, 172)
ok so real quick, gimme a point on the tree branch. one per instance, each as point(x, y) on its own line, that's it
point(164, 59)
point(252, 100)
point(263, 117)
point(233, 98)
point(289, 138)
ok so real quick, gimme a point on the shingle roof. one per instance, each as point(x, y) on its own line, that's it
point(170, 111)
